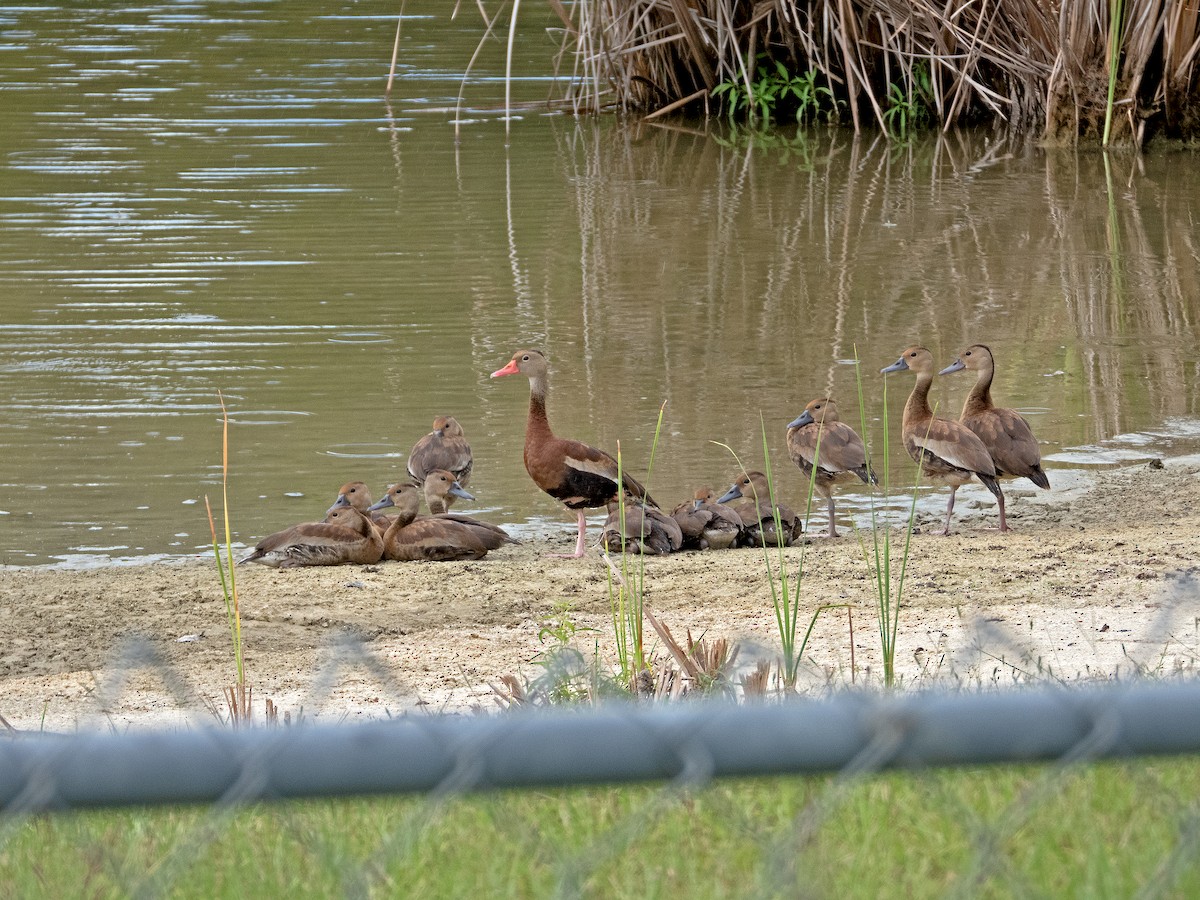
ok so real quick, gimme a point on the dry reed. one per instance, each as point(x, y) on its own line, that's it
point(1031, 65)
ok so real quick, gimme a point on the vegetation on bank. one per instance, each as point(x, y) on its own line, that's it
point(1108, 71)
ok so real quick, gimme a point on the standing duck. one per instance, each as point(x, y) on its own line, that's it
point(947, 452)
point(843, 457)
point(1004, 431)
point(579, 476)
point(758, 513)
point(357, 495)
point(446, 448)
point(446, 537)
point(346, 536)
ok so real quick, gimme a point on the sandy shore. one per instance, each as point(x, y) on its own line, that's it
point(1100, 583)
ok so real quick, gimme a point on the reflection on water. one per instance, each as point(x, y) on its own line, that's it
point(200, 199)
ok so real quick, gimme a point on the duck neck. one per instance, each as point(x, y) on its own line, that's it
point(917, 408)
point(538, 424)
point(407, 511)
point(980, 397)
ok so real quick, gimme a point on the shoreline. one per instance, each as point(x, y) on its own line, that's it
point(1088, 585)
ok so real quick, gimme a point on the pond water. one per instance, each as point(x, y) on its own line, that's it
point(211, 197)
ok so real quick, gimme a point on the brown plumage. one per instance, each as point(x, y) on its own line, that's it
point(705, 524)
point(758, 513)
point(437, 538)
point(647, 530)
point(446, 448)
point(1004, 431)
point(819, 432)
point(947, 452)
point(346, 536)
point(357, 495)
point(579, 476)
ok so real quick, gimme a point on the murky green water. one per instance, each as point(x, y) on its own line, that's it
point(202, 196)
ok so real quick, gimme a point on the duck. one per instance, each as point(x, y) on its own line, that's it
point(819, 431)
point(579, 476)
point(356, 494)
point(705, 524)
point(1004, 432)
point(948, 452)
point(691, 521)
point(758, 513)
point(445, 447)
point(445, 537)
point(345, 536)
point(647, 530)
point(438, 487)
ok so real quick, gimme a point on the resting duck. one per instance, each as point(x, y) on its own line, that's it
point(357, 495)
point(947, 452)
point(758, 514)
point(446, 448)
point(440, 538)
point(647, 530)
point(580, 476)
point(843, 456)
point(1004, 432)
point(346, 536)
point(706, 525)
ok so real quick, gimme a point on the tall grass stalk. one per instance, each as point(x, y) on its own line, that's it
point(785, 590)
point(1116, 13)
point(878, 556)
point(225, 568)
point(626, 584)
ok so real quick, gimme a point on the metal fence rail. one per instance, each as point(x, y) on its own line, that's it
point(689, 742)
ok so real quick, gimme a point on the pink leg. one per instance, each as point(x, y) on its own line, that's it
point(579, 547)
point(949, 510)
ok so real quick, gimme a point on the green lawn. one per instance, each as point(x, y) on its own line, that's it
point(1100, 831)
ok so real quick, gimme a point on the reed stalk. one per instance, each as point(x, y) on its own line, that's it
point(626, 583)
point(785, 589)
point(237, 695)
point(878, 555)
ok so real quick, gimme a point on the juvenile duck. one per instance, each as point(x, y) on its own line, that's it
point(647, 530)
point(705, 524)
point(818, 431)
point(725, 529)
point(357, 495)
point(443, 537)
point(579, 476)
point(446, 448)
point(1004, 432)
point(346, 536)
point(758, 513)
point(947, 452)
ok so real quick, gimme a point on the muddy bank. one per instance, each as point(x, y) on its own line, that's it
point(1084, 587)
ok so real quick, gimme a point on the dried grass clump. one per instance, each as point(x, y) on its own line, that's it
point(1068, 68)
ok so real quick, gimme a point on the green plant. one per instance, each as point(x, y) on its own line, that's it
point(909, 106)
point(785, 589)
point(626, 585)
point(773, 91)
point(237, 695)
point(878, 557)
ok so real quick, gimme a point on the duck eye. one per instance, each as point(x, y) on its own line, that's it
point(525, 358)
